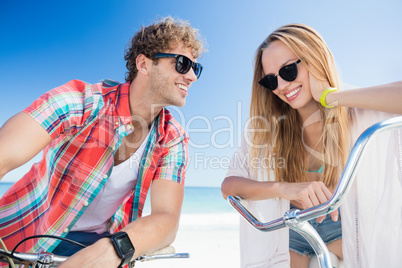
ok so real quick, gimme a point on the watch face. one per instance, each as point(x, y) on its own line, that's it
point(124, 243)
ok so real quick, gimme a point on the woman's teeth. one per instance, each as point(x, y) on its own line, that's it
point(293, 92)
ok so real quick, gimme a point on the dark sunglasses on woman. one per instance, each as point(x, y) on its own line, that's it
point(183, 64)
point(287, 73)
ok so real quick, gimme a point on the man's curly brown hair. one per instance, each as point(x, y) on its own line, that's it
point(164, 34)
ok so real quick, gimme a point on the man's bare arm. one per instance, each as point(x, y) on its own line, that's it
point(147, 234)
point(21, 138)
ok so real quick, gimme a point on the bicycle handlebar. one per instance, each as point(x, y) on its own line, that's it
point(43, 258)
point(46, 259)
point(345, 181)
point(164, 253)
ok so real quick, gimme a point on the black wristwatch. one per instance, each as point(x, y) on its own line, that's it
point(123, 246)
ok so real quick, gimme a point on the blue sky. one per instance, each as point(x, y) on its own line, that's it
point(46, 43)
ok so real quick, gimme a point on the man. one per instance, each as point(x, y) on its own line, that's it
point(103, 145)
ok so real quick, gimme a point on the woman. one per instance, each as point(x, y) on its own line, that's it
point(299, 137)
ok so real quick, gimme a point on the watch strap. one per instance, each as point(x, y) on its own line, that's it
point(124, 262)
point(124, 259)
point(324, 96)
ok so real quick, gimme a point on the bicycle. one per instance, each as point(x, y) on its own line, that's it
point(49, 260)
point(297, 220)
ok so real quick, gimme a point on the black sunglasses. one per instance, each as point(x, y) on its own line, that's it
point(288, 73)
point(183, 64)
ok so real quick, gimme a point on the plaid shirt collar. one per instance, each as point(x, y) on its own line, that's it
point(122, 103)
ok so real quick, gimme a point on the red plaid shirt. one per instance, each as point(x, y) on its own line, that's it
point(87, 124)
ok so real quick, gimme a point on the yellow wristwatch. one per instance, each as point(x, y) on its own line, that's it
point(324, 96)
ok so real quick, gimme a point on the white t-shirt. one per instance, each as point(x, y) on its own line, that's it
point(121, 181)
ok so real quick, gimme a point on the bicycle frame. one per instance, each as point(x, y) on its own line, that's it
point(298, 220)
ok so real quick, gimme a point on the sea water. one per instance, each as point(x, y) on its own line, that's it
point(4, 187)
point(196, 199)
point(203, 206)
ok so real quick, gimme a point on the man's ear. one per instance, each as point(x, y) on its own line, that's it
point(143, 64)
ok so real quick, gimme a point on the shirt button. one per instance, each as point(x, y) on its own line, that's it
point(113, 147)
point(116, 123)
point(105, 176)
point(86, 203)
point(66, 230)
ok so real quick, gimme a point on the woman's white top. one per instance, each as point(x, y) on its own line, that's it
point(371, 213)
point(122, 179)
point(260, 249)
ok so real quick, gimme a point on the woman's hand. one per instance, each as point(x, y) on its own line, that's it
point(317, 87)
point(308, 194)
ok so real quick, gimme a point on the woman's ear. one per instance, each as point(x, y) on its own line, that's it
point(143, 64)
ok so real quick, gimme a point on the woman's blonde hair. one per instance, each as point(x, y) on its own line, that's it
point(284, 138)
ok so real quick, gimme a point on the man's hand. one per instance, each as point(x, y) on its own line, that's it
point(100, 254)
point(148, 234)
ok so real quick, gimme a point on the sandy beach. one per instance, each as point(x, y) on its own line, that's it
point(208, 232)
point(211, 240)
